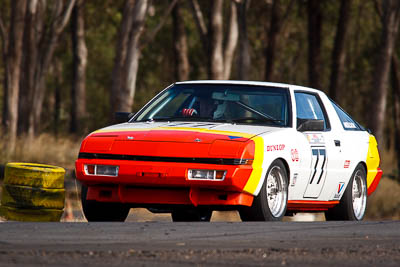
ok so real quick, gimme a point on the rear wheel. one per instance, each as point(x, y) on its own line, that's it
point(353, 204)
point(102, 211)
point(271, 202)
point(191, 215)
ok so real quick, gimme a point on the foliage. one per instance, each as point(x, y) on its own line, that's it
point(156, 65)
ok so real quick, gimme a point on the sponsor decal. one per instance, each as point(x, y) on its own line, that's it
point(339, 190)
point(294, 180)
point(346, 164)
point(347, 124)
point(233, 137)
point(276, 147)
point(295, 155)
point(315, 139)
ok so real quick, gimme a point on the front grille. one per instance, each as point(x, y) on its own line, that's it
point(218, 161)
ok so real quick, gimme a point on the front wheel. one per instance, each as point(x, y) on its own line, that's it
point(353, 204)
point(95, 211)
point(271, 202)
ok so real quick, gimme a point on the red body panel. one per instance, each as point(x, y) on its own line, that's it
point(158, 182)
point(310, 205)
point(375, 183)
point(181, 196)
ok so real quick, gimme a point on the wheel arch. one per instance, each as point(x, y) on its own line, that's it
point(286, 164)
point(364, 165)
point(264, 174)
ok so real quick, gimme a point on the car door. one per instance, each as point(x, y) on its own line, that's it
point(313, 123)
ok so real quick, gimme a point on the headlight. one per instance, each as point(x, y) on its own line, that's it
point(104, 170)
point(206, 174)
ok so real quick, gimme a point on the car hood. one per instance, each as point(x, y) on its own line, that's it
point(182, 131)
point(151, 137)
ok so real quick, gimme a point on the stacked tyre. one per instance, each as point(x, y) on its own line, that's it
point(32, 192)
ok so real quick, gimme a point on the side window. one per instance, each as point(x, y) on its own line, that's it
point(309, 107)
point(347, 122)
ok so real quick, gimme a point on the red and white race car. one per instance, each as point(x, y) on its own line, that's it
point(264, 149)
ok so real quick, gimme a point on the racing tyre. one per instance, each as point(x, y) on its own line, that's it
point(271, 202)
point(32, 197)
point(95, 211)
point(196, 215)
point(34, 175)
point(30, 215)
point(353, 204)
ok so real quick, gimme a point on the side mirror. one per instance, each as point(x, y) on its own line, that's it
point(121, 117)
point(305, 125)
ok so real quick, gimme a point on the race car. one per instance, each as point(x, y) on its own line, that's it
point(264, 149)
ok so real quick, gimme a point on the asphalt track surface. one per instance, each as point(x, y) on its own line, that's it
point(200, 244)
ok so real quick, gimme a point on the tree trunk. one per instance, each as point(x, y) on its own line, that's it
point(216, 67)
point(43, 44)
point(219, 58)
point(231, 42)
point(4, 46)
point(244, 50)
point(13, 68)
point(78, 88)
point(273, 31)
point(390, 19)
point(127, 58)
point(34, 16)
point(182, 67)
point(58, 74)
point(338, 54)
point(314, 42)
point(396, 108)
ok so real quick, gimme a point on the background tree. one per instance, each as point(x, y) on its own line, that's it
point(395, 75)
point(127, 55)
point(390, 24)
point(314, 13)
point(339, 53)
point(78, 88)
point(43, 26)
point(218, 62)
point(182, 67)
point(12, 46)
point(244, 49)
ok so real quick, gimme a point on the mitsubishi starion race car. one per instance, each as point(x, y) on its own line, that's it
point(264, 149)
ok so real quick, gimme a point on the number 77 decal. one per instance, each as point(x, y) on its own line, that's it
point(319, 162)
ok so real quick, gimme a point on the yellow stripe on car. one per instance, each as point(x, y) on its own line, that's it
point(255, 176)
point(372, 160)
point(245, 135)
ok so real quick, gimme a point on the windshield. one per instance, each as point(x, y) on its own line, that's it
point(220, 103)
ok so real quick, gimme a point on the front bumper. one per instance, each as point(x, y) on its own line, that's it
point(165, 183)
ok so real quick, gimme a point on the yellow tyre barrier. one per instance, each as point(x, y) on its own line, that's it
point(31, 215)
point(32, 197)
point(32, 192)
point(35, 175)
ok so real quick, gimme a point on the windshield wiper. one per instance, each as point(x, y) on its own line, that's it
point(263, 119)
point(251, 109)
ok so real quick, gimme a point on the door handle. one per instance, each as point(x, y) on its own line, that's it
point(337, 142)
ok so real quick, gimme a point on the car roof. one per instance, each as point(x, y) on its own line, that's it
point(269, 84)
